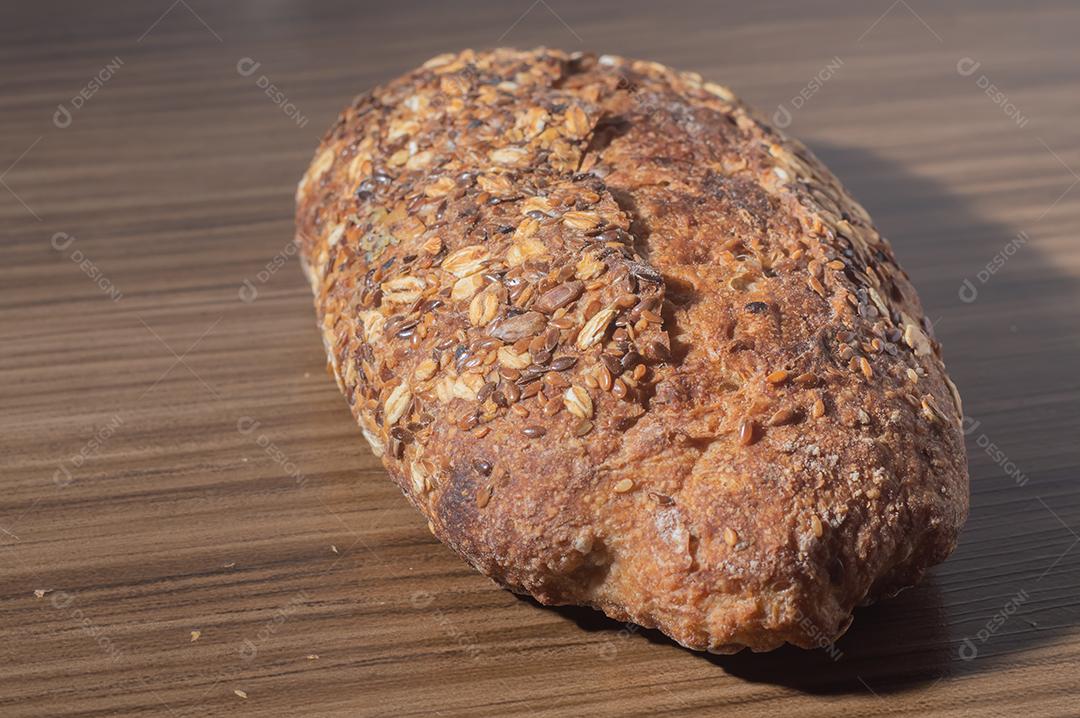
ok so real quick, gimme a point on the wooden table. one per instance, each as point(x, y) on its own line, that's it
point(190, 522)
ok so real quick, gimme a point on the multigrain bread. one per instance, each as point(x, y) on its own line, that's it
point(627, 346)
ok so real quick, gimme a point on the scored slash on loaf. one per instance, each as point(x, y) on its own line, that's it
point(627, 346)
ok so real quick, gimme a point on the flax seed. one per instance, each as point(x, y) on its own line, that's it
point(603, 377)
point(777, 377)
point(747, 432)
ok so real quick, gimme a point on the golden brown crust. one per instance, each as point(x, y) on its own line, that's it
point(625, 345)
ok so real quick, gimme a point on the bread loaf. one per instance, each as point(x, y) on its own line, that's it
point(627, 346)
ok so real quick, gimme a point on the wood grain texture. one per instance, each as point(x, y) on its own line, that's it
point(174, 459)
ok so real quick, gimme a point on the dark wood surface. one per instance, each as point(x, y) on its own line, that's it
point(186, 492)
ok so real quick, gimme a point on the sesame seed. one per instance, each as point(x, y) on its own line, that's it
point(651, 316)
point(777, 377)
point(867, 370)
point(815, 525)
point(483, 496)
point(622, 486)
point(786, 415)
point(731, 537)
point(819, 409)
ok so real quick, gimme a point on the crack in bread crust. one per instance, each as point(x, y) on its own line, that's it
point(625, 345)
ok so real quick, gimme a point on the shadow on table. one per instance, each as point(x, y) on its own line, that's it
point(893, 646)
point(918, 638)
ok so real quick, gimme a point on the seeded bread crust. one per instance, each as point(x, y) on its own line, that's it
point(625, 345)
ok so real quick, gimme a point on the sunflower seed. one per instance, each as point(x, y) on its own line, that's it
point(578, 402)
point(466, 287)
point(466, 261)
point(577, 122)
point(483, 308)
point(402, 290)
point(396, 404)
point(518, 327)
point(558, 297)
point(425, 370)
point(594, 329)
